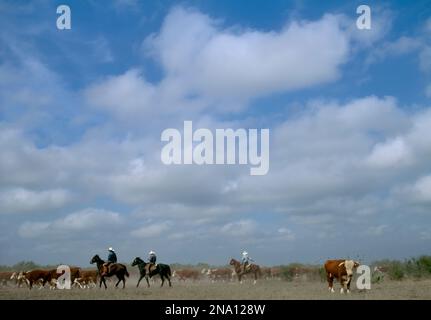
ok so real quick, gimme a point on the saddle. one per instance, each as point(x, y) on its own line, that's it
point(107, 268)
point(150, 267)
point(246, 267)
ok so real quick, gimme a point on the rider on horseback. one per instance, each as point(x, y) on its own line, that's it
point(152, 258)
point(112, 258)
point(245, 261)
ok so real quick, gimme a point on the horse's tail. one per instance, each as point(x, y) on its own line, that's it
point(169, 271)
point(127, 273)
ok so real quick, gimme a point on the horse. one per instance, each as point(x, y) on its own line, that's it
point(116, 269)
point(251, 268)
point(163, 270)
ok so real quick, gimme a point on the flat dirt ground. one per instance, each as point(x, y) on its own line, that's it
point(264, 289)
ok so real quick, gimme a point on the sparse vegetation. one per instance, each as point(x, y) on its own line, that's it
point(414, 268)
point(25, 266)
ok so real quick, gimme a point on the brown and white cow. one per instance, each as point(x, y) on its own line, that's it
point(86, 279)
point(184, 274)
point(341, 270)
point(34, 276)
point(18, 278)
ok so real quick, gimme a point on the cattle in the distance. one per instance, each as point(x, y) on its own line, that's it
point(186, 274)
point(342, 270)
point(266, 272)
point(276, 272)
point(220, 274)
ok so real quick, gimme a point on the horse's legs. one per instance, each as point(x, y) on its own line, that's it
point(148, 282)
point(163, 280)
point(169, 280)
point(140, 278)
point(119, 279)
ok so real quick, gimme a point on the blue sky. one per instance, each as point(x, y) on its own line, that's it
point(82, 110)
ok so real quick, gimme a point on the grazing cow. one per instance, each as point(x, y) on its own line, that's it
point(184, 274)
point(220, 274)
point(341, 270)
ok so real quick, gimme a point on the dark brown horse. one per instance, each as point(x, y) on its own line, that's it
point(251, 268)
point(116, 269)
point(163, 270)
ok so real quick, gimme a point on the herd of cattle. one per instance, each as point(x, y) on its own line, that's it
point(89, 278)
point(342, 270)
point(79, 278)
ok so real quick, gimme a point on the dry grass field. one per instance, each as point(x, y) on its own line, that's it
point(264, 289)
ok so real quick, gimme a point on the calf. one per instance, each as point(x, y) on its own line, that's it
point(341, 270)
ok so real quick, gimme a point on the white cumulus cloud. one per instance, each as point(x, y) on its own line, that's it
point(20, 200)
point(151, 230)
point(74, 223)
